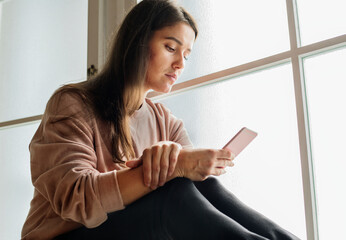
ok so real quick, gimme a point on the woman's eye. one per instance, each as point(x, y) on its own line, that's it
point(170, 49)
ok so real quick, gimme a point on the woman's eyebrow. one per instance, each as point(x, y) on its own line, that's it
point(177, 41)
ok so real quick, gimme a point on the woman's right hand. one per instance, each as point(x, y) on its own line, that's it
point(158, 162)
point(198, 164)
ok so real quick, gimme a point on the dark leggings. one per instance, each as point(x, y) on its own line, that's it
point(183, 209)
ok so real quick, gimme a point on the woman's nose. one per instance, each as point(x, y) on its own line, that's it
point(179, 62)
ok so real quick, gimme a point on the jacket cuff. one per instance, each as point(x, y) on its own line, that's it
point(110, 195)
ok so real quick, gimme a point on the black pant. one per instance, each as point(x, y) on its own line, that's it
point(183, 209)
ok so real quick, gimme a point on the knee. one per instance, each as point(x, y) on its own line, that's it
point(180, 188)
point(212, 180)
point(180, 184)
point(210, 183)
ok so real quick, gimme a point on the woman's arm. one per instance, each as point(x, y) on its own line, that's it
point(195, 164)
point(131, 184)
point(64, 165)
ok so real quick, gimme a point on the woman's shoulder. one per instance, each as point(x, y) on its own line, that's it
point(158, 107)
point(162, 112)
point(67, 100)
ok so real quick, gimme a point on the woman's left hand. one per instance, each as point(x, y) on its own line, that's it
point(158, 162)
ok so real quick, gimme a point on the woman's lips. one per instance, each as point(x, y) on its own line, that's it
point(172, 76)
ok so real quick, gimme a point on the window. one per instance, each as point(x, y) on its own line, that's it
point(43, 44)
point(230, 51)
point(319, 20)
point(325, 76)
point(40, 44)
point(15, 184)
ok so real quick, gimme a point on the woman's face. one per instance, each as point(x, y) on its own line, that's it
point(169, 49)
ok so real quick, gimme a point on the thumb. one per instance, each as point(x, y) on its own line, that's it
point(134, 163)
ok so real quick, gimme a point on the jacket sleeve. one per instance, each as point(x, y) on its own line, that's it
point(64, 164)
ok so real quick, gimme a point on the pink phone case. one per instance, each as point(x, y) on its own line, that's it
point(240, 140)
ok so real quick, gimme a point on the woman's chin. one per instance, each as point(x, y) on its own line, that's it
point(166, 89)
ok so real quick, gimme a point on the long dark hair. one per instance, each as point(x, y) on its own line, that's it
point(116, 92)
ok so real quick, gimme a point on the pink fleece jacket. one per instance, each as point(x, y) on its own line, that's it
point(72, 171)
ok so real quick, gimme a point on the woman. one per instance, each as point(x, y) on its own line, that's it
point(107, 163)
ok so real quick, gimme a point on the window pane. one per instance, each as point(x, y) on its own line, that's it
point(42, 45)
point(15, 179)
point(267, 174)
point(235, 32)
point(320, 19)
point(325, 77)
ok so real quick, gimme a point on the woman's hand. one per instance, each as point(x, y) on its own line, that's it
point(198, 164)
point(158, 162)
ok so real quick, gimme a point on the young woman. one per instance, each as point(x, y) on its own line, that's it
point(107, 163)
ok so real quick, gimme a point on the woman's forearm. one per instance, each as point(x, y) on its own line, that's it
point(131, 184)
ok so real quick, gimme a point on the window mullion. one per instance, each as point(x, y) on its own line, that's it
point(303, 124)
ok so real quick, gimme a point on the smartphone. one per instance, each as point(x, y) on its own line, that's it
point(240, 140)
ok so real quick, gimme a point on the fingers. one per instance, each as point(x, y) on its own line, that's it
point(173, 158)
point(147, 158)
point(232, 156)
point(134, 163)
point(225, 153)
point(220, 165)
point(216, 165)
point(169, 156)
point(224, 163)
point(159, 162)
point(224, 158)
point(156, 169)
point(164, 164)
point(218, 171)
